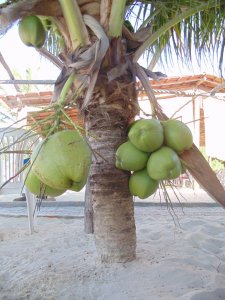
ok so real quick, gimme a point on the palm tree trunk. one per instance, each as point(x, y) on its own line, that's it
point(107, 120)
point(88, 210)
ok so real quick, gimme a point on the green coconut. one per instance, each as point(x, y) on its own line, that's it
point(146, 135)
point(177, 135)
point(164, 164)
point(63, 161)
point(129, 158)
point(141, 185)
point(36, 187)
point(31, 31)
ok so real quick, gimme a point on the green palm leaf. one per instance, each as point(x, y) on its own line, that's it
point(185, 28)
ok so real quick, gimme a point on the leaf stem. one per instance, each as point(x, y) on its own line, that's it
point(65, 89)
point(116, 18)
point(77, 29)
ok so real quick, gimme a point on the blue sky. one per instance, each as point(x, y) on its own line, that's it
point(20, 57)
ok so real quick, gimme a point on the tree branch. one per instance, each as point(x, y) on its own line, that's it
point(57, 62)
point(7, 68)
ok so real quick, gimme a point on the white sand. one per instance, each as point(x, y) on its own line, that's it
point(60, 260)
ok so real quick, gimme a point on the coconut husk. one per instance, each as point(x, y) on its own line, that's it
point(203, 174)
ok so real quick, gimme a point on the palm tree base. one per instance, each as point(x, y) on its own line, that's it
point(107, 119)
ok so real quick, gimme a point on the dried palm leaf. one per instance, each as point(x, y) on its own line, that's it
point(204, 175)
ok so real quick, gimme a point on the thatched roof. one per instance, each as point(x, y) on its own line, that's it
point(201, 82)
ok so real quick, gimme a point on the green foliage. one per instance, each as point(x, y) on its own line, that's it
point(129, 26)
point(217, 164)
point(199, 34)
point(25, 88)
point(214, 163)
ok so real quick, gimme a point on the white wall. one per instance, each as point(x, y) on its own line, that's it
point(214, 128)
point(180, 108)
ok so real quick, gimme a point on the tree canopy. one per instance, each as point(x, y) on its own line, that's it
point(185, 27)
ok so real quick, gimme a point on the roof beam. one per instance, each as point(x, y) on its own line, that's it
point(23, 81)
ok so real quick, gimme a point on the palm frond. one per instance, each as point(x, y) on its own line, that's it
point(190, 29)
point(200, 33)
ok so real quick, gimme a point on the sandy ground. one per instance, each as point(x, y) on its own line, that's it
point(180, 257)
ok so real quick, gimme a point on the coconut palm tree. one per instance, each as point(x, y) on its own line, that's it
point(100, 58)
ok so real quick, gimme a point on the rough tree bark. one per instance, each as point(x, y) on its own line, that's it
point(107, 120)
point(88, 210)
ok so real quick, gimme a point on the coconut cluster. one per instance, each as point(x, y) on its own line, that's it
point(151, 153)
point(58, 164)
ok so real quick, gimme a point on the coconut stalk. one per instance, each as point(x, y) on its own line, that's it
point(116, 18)
point(65, 89)
point(74, 20)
